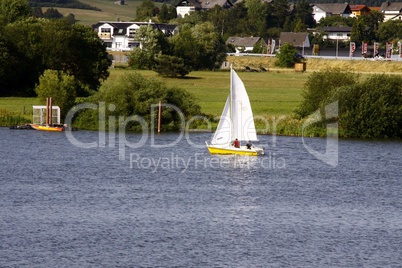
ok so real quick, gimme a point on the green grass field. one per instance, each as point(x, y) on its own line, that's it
point(109, 11)
point(271, 93)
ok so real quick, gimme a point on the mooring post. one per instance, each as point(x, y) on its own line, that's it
point(159, 117)
point(50, 111)
point(47, 111)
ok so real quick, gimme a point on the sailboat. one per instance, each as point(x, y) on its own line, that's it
point(236, 123)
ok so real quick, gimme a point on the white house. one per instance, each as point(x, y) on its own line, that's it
point(121, 36)
point(184, 7)
point(327, 10)
point(337, 33)
point(391, 11)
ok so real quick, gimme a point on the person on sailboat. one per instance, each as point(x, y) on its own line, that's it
point(236, 143)
point(249, 145)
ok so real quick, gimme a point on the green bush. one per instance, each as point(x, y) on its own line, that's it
point(367, 109)
point(287, 56)
point(62, 88)
point(372, 109)
point(319, 87)
point(170, 66)
point(133, 94)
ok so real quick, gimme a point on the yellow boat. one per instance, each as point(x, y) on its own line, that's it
point(243, 150)
point(55, 128)
point(236, 123)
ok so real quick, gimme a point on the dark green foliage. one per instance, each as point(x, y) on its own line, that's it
point(52, 13)
point(154, 42)
point(368, 109)
point(166, 13)
point(320, 87)
point(62, 88)
point(145, 11)
point(38, 44)
point(371, 109)
point(132, 94)
point(390, 30)
point(287, 56)
point(170, 66)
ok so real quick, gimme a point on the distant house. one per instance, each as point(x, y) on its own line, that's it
point(244, 44)
point(391, 11)
point(359, 10)
point(122, 36)
point(184, 7)
point(339, 33)
point(327, 10)
point(298, 40)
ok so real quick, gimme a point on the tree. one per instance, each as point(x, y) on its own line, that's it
point(152, 42)
point(372, 108)
point(76, 50)
point(52, 13)
point(133, 94)
point(60, 86)
point(390, 30)
point(146, 10)
point(200, 46)
point(280, 12)
point(287, 56)
point(39, 44)
point(170, 66)
point(359, 33)
point(164, 14)
point(256, 13)
point(13, 10)
point(319, 88)
point(304, 12)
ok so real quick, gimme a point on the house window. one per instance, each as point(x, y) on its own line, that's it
point(118, 44)
point(132, 32)
point(105, 33)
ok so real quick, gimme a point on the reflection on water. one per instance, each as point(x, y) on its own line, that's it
point(166, 206)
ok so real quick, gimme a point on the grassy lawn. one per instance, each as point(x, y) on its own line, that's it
point(109, 11)
point(271, 93)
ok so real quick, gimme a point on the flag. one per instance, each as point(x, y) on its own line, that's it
point(364, 47)
point(352, 48)
point(389, 50)
point(376, 44)
point(400, 49)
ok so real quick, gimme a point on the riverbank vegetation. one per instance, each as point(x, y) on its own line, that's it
point(368, 106)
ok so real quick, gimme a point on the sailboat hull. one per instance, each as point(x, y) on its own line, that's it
point(228, 150)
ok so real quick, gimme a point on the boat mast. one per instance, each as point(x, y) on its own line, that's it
point(230, 104)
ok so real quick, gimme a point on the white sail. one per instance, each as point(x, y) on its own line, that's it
point(237, 120)
point(243, 127)
point(223, 133)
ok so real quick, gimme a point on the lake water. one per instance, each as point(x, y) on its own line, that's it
point(62, 205)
